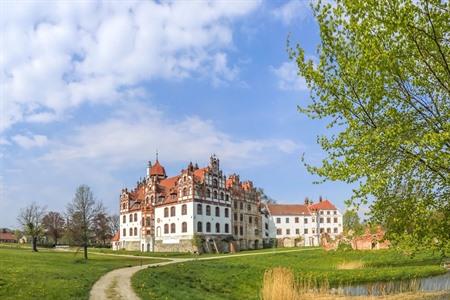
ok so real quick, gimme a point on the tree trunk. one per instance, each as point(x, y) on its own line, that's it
point(85, 251)
point(34, 243)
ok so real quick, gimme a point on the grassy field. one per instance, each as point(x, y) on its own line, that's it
point(241, 277)
point(53, 275)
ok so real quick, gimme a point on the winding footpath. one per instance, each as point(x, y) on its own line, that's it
point(116, 285)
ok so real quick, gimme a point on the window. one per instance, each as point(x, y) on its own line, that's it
point(226, 213)
point(184, 227)
point(235, 216)
point(217, 211)
point(208, 193)
point(278, 220)
point(185, 193)
point(215, 195)
point(328, 212)
point(321, 230)
point(214, 182)
point(278, 231)
point(135, 231)
point(131, 218)
point(208, 210)
point(208, 227)
point(297, 231)
point(172, 228)
point(305, 220)
point(329, 230)
point(199, 227)
point(241, 205)
point(241, 230)
point(217, 228)
point(158, 231)
point(172, 211)
point(335, 220)
point(321, 212)
point(124, 232)
point(296, 220)
point(235, 230)
point(288, 231)
point(184, 209)
point(241, 217)
point(221, 196)
point(199, 209)
point(227, 228)
point(335, 212)
point(287, 220)
point(135, 217)
point(313, 230)
point(335, 230)
point(305, 231)
point(131, 231)
point(235, 204)
point(166, 212)
point(124, 219)
point(166, 228)
point(328, 220)
point(250, 219)
point(249, 207)
point(321, 220)
point(313, 219)
point(227, 198)
point(266, 225)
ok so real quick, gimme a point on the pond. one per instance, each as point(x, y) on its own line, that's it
point(427, 284)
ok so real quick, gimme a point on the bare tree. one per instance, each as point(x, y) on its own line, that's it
point(30, 218)
point(81, 214)
point(114, 224)
point(54, 225)
point(102, 227)
point(265, 198)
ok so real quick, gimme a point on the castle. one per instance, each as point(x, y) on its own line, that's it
point(202, 210)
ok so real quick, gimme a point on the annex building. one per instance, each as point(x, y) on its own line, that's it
point(201, 209)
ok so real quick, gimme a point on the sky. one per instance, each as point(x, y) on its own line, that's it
point(90, 91)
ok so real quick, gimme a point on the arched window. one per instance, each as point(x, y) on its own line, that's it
point(184, 227)
point(135, 217)
point(131, 231)
point(124, 232)
point(227, 198)
point(217, 228)
point(184, 209)
point(131, 218)
point(217, 211)
point(215, 195)
point(152, 198)
point(172, 228)
point(208, 227)
point(208, 193)
point(166, 212)
point(172, 211)
point(166, 228)
point(221, 196)
point(227, 228)
point(226, 212)
point(199, 209)
point(208, 210)
point(135, 231)
point(199, 227)
point(214, 182)
point(185, 193)
point(158, 231)
point(124, 219)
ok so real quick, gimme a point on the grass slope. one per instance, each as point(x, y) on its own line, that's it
point(241, 277)
point(53, 275)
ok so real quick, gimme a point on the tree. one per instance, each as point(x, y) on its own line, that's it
point(114, 221)
point(352, 222)
point(382, 80)
point(53, 223)
point(265, 198)
point(30, 218)
point(102, 228)
point(81, 214)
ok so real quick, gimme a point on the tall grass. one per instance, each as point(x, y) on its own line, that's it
point(279, 283)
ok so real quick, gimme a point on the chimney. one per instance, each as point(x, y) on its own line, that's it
point(149, 166)
point(306, 201)
point(320, 199)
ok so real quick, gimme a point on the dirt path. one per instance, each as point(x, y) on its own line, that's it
point(116, 285)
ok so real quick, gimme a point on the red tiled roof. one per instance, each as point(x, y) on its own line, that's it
point(157, 169)
point(288, 209)
point(200, 173)
point(169, 182)
point(116, 237)
point(7, 236)
point(324, 205)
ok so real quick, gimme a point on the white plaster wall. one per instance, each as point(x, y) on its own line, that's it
point(127, 225)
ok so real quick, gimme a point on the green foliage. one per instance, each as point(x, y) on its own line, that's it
point(382, 80)
point(53, 275)
point(352, 222)
point(344, 246)
point(241, 277)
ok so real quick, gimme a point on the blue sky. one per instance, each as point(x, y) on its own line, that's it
point(90, 91)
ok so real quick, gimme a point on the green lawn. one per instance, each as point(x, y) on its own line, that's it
point(241, 277)
point(53, 275)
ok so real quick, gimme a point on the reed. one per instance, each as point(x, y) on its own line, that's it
point(350, 265)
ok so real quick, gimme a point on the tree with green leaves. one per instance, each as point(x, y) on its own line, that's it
point(351, 222)
point(30, 218)
point(382, 81)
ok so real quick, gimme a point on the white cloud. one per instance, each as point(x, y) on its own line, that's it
point(28, 142)
point(135, 132)
point(288, 77)
point(294, 9)
point(58, 55)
